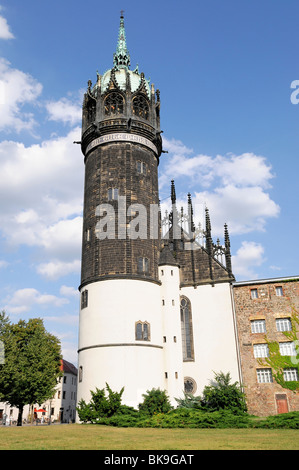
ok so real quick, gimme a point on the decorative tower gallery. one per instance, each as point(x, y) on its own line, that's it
point(156, 307)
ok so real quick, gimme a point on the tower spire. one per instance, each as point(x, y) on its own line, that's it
point(121, 58)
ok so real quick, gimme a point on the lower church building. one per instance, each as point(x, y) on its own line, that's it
point(160, 306)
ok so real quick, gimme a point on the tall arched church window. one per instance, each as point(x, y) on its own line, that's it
point(114, 104)
point(187, 330)
point(140, 107)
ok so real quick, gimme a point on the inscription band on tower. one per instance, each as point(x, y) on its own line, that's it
point(121, 137)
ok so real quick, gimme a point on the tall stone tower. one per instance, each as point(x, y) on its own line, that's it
point(120, 330)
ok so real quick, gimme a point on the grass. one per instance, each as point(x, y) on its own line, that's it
point(96, 437)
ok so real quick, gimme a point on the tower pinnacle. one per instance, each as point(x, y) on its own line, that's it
point(121, 58)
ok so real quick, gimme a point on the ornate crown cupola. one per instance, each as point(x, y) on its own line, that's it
point(121, 101)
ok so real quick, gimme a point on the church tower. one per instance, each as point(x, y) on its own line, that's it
point(120, 331)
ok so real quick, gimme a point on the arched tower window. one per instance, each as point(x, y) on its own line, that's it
point(140, 107)
point(187, 330)
point(114, 104)
point(142, 331)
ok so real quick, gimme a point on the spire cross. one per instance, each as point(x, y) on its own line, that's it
point(121, 13)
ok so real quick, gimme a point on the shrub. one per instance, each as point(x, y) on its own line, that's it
point(100, 405)
point(281, 421)
point(223, 395)
point(155, 401)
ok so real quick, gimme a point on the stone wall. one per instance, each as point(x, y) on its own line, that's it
point(268, 306)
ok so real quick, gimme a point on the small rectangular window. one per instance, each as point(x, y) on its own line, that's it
point(143, 265)
point(84, 299)
point(261, 350)
point(279, 291)
point(264, 375)
point(141, 168)
point(283, 324)
point(112, 194)
point(290, 374)
point(253, 293)
point(258, 326)
point(287, 348)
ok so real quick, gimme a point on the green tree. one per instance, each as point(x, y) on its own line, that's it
point(155, 401)
point(222, 395)
point(279, 363)
point(32, 361)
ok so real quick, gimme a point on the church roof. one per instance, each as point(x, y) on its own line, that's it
point(166, 257)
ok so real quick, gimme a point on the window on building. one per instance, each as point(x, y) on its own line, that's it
point(80, 374)
point(287, 348)
point(141, 168)
point(143, 265)
point(187, 330)
point(112, 194)
point(189, 385)
point(279, 291)
point(114, 104)
point(253, 293)
point(283, 324)
point(142, 331)
point(140, 107)
point(261, 350)
point(290, 374)
point(264, 375)
point(258, 326)
point(84, 299)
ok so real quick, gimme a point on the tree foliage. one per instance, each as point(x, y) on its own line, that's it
point(31, 365)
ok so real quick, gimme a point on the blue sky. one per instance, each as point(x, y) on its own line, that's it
point(224, 69)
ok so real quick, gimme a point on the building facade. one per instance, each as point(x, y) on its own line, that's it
point(60, 408)
point(264, 311)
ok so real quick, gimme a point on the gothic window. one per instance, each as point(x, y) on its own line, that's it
point(187, 333)
point(142, 266)
point(80, 374)
point(142, 331)
point(84, 298)
point(140, 107)
point(91, 111)
point(114, 104)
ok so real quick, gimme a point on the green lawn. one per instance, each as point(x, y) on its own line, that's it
point(95, 437)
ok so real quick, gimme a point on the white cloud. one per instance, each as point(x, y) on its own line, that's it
point(64, 110)
point(69, 291)
point(17, 89)
point(56, 268)
point(248, 257)
point(233, 187)
point(23, 300)
point(5, 32)
point(42, 186)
